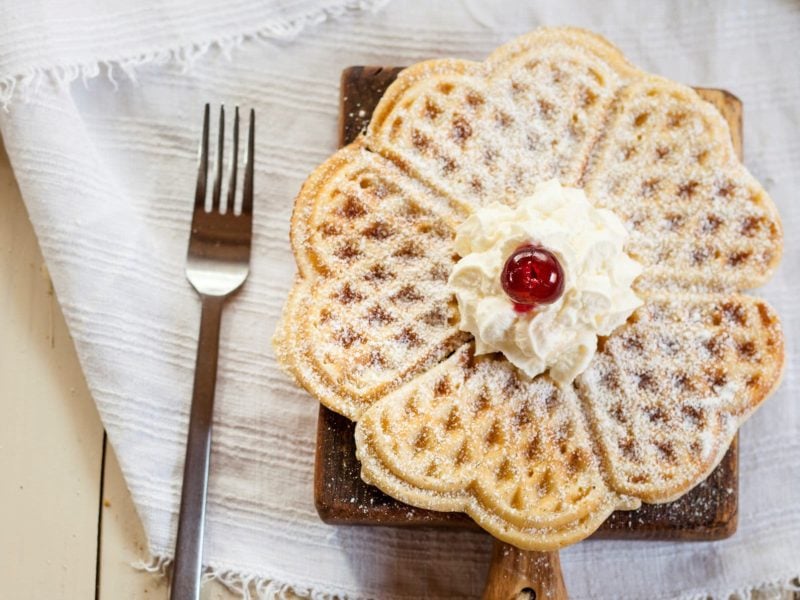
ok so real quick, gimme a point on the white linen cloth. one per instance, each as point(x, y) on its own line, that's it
point(106, 167)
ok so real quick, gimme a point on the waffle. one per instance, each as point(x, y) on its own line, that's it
point(697, 219)
point(472, 435)
point(668, 390)
point(482, 132)
point(370, 308)
point(662, 401)
point(370, 327)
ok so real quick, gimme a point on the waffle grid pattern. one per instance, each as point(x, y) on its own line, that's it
point(370, 328)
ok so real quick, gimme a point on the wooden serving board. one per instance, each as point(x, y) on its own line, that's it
point(708, 512)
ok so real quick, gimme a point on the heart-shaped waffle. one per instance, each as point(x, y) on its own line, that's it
point(371, 327)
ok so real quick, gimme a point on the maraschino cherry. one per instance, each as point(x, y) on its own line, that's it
point(531, 276)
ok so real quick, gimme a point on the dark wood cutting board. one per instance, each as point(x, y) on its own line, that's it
point(708, 512)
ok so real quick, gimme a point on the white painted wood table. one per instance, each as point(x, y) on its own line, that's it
point(68, 528)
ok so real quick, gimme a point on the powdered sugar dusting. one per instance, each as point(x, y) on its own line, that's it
point(473, 435)
point(370, 326)
point(666, 393)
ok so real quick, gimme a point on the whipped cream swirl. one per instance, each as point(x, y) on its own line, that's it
point(597, 297)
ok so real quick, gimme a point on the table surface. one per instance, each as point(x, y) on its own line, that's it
point(69, 527)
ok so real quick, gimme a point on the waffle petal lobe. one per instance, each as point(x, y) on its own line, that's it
point(668, 390)
point(481, 132)
point(697, 219)
point(369, 308)
point(474, 435)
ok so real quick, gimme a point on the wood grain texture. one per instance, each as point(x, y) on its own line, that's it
point(51, 438)
point(123, 544)
point(708, 512)
point(59, 537)
point(519, 575)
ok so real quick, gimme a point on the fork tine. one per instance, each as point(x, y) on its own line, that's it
point(233, 165)
point(218, 166)
point(247, 192)
point(202, 165)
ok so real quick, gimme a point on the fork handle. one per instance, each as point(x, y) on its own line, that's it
point(191, 521)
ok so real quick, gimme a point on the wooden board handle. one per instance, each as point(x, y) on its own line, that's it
point(516, 574)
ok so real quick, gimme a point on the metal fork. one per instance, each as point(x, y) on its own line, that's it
point(217, 265)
